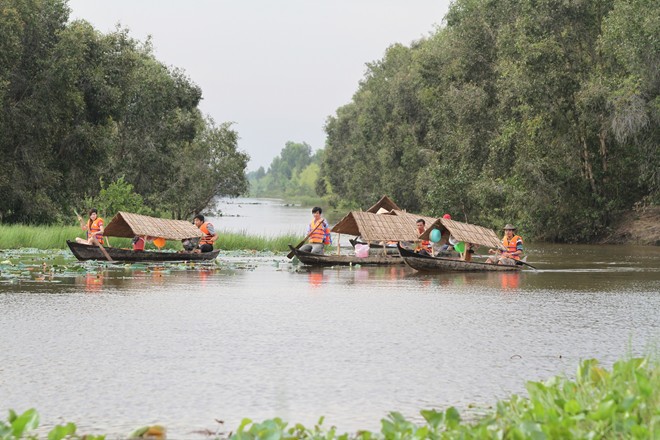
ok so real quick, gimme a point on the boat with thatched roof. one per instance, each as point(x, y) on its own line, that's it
point(372, 228)
point(312, 259)
point(128, 225)
point(461, 232)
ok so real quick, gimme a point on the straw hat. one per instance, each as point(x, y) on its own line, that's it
point(509, 226)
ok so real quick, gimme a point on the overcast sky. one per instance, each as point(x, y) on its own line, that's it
point(277, 69)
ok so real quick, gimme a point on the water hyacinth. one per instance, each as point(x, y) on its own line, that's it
point(623, 402)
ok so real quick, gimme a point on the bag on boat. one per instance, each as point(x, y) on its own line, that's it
point(361, 250)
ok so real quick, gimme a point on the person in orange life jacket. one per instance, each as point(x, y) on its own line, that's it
point(321, 235)
point(423, 248)
point(94, 228)
point(513, 245)
point(210, 236)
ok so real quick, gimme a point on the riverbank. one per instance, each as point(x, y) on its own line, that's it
point(640, 227)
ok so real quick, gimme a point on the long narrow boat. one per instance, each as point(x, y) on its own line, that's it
point(84, 252)
point(344, 260)
point(426, 263)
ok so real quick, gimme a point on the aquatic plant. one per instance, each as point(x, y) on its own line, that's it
point(596, 404)
point(621, 403)
point(21, 426)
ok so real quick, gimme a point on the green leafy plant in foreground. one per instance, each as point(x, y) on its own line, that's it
point(597, 404)
point(21, 427)
point(623, 403)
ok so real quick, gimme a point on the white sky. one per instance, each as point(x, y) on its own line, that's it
point(277, 69)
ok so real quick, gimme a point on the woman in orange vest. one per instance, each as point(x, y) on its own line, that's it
point(209, 237)
point(93, 227)
point(513, 248)
point(320, 233)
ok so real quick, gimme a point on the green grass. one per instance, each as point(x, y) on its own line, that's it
point(232, 241)
point(55, 237)
point(39, 237)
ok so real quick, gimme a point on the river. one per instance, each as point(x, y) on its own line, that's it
point(113, 347)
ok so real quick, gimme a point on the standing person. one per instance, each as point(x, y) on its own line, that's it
point(320, 235)
point(425, 247)
point(513, 245)
point(93, 227)
point(210, 236)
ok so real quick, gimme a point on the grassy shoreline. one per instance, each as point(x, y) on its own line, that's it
point(55, 237)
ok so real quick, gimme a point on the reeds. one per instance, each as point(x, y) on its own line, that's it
point(55, 237)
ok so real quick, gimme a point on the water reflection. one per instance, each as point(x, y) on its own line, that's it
point(424, 282)
point(258, 337)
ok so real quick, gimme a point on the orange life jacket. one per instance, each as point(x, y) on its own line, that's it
point(426, 246)
point(512, 245)
point(95, 230)
point(320, 234)
point(207, 238)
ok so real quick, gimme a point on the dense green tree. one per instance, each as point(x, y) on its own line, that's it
point(78, 107)
point(537, 112)
point(205, 168)
point(292, 173)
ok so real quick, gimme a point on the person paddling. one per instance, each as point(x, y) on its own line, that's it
point(318, 232)
point(513, 248)
point(93, 227)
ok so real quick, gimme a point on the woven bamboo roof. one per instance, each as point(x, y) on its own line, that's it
point(465, 232)
point(126, 224)
point(396, 226)
point(384, 203)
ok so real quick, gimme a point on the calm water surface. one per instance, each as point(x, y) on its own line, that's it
point(113, 348)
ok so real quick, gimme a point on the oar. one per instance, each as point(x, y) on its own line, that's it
point(526, 264)
point(291, 254)
point(105, 253)
point(521, 262)
point(94, 240)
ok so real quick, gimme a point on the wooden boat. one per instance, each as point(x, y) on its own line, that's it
point(84, 252)
point(426, 263)
point(344, 260)
point(129, 225)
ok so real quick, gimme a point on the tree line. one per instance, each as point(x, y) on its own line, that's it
point(291, 174)
point(537, 112)
point(83, 112)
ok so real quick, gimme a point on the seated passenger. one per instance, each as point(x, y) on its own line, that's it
point(424, 247)
point(138, 243)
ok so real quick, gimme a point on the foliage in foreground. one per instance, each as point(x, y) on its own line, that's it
point(621, 403)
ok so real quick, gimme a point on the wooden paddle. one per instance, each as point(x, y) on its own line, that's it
point(518, 262)
point(93, 239)
point(291, 254)
point(525, 263)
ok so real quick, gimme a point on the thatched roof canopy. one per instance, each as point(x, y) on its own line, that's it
point(465, 232)
point(396, 226)
point(125, 224)
point(385, 203)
